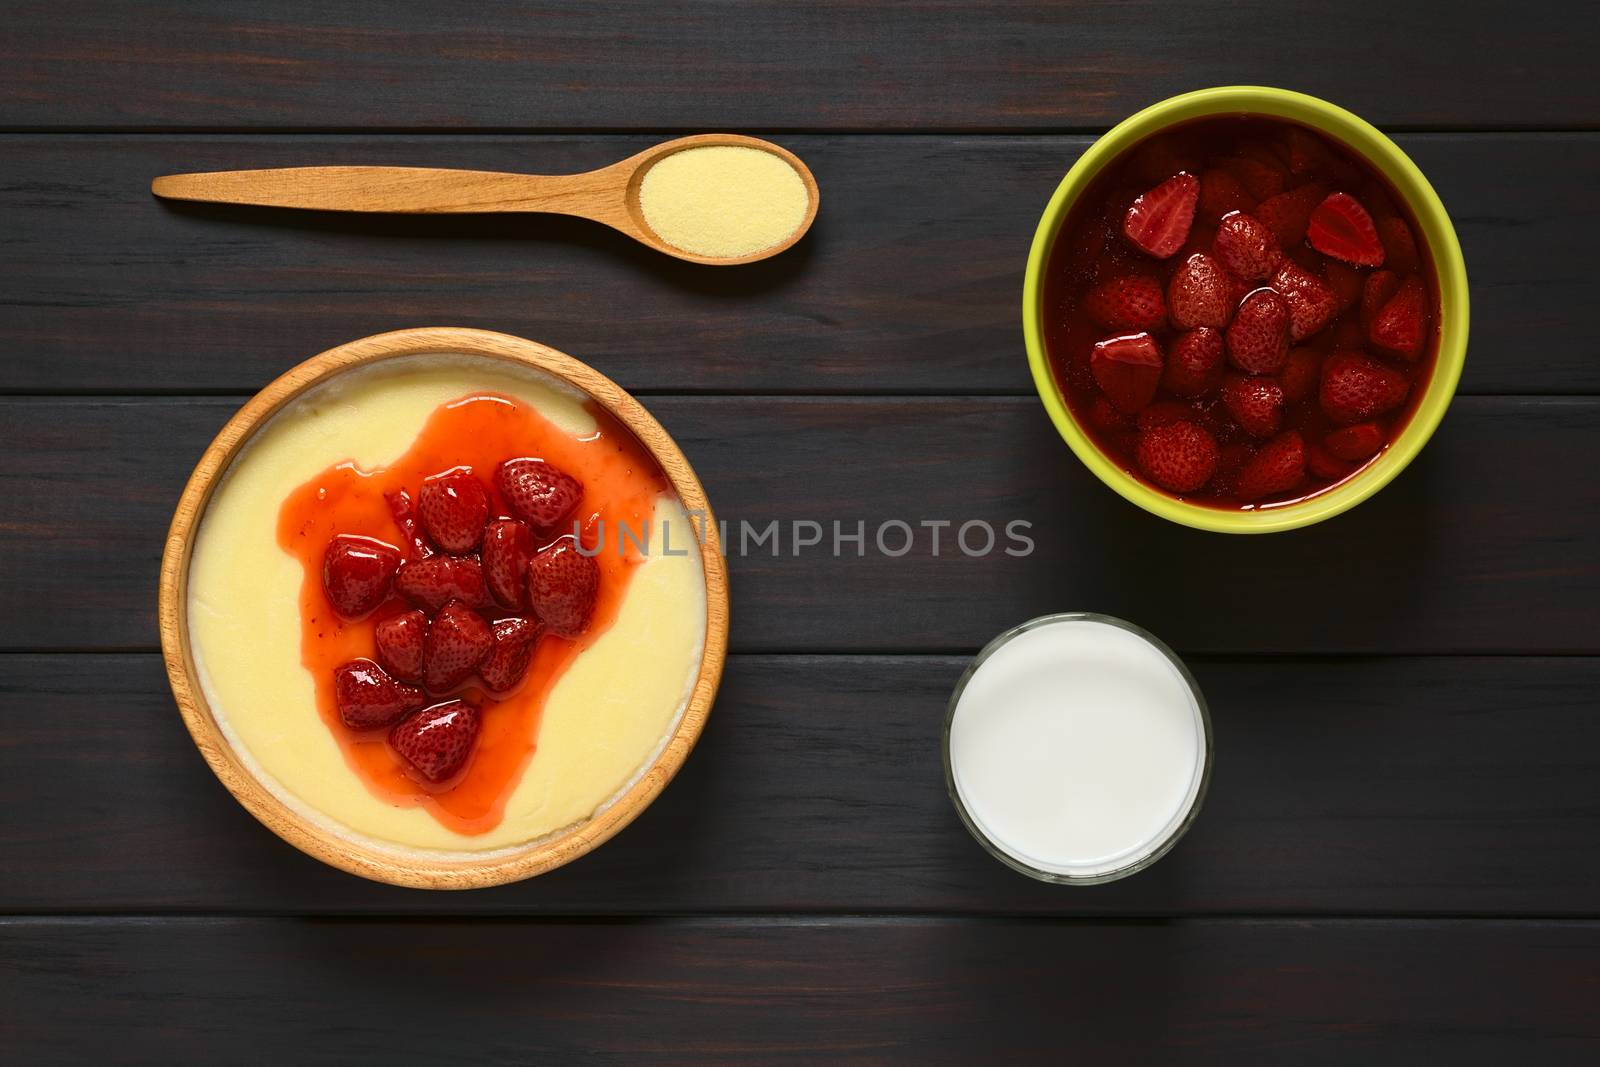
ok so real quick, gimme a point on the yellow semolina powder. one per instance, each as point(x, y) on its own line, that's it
point(723, 201)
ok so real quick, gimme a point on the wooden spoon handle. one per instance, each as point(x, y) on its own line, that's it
point(409, 190)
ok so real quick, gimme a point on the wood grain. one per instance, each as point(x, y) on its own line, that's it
point(909, 282)
point(1482, 545)
point(371, 859)
point(784, 64)
point(759, 991)
point(1342, 786)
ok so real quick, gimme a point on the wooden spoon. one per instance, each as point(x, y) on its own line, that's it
point(609, 195)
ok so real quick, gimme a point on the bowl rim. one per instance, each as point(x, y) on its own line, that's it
point(1439, 235)
point(425, 870)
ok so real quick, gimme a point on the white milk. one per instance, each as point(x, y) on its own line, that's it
point(1077, 748)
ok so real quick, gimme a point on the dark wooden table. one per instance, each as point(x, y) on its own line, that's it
point(1400, 857)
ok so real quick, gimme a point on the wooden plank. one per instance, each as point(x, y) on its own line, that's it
point(1342, 786)
point(759, 991)
point(1484, 545)
point(909, 283)
point(774, 63)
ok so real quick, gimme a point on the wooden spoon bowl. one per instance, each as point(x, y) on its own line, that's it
point(639, 165)
point(421, 869)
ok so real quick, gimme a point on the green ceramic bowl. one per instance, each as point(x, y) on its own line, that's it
point(1439, 235)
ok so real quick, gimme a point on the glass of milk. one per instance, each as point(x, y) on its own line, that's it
point(1077, 748)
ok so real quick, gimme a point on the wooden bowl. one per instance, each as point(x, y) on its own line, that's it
point(455, 871)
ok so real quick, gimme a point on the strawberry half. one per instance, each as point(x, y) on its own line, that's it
point(404, 511)
point(1129, 302)
point(1277, 468)
point(1256, 404)
point(563, 585)
point(1194, 366)
point(1178, 456)
point(1288, 214)
point(1356, 387)
point(357, 572)
point(1198, 294)
point(433, 582)
point(1158, 221)
point(1340, 227)
point(436, 741)
point(507, 547)
point(1246, 247)
point(508, 660)
point(1345, 281)
point(369, 698)
point(458, 640)
point(538, 492)
point(1325, 465)
point(1305, 151)
point(1399, 246)
point(1312, 301)
point(1258, 338)
point(1355, 443)
point(1299, 374)
point(399, 641)
point(1380, 286)
point(1400, 325)
point(453, 509)
point(1127, 369)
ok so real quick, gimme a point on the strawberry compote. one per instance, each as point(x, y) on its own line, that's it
point(1240, 312)
point(444, 595)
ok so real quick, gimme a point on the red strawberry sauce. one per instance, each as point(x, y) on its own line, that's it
point(1279, 173)
point(621, 483)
